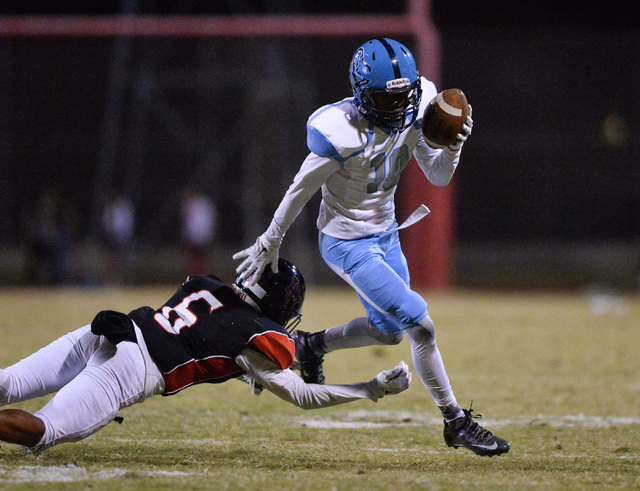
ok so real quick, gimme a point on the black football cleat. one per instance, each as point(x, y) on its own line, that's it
point(464, 432)
point(310, 363)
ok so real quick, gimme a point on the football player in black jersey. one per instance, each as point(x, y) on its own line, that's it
point(206, 332)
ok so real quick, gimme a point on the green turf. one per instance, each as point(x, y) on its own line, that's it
point(557, 374)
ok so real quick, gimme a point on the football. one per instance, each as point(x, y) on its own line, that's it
point(444, 117)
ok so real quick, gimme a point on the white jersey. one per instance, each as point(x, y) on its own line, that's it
point(358, 165)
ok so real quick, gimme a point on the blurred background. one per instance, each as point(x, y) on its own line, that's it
point(140, 159)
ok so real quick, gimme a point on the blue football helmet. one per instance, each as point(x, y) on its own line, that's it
point(386, 83)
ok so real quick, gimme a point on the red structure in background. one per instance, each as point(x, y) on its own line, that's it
point(429, 244)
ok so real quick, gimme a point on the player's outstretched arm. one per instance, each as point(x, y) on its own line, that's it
point(291, 388)
point(313, 173)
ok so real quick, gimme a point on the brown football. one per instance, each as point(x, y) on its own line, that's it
point(444, 117)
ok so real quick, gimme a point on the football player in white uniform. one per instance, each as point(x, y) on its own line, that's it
point(359, 146)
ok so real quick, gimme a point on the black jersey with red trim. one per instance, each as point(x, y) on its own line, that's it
point(196, 335)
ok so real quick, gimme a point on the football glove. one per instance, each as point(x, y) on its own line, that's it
point(257, 256)
point(393, 381)
point(465, 132)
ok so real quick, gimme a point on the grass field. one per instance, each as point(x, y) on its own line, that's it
point(558, 375)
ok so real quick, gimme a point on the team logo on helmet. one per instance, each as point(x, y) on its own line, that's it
point(358, 69)
point(293, 294)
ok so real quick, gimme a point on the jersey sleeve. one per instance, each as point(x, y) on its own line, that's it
point(319, 144)
point(288, 386)
point(338, 131)
point(313, 173)
point(279, 347)
point(334, 135)
point(436, 164)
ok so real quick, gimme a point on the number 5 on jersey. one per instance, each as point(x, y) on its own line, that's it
point(186, 318)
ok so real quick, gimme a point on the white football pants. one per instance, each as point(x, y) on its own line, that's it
point(93, 379)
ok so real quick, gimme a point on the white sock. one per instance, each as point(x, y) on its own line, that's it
point(429, 365)
point(355, 334)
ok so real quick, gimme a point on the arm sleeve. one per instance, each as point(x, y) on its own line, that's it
point(291, 388)
point(313, 173)
point(437, 165)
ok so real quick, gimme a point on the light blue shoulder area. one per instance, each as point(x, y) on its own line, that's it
point(319, 144)
point(318, 141)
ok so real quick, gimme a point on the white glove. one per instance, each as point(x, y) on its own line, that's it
point(257, 257)
point(465, 132)
point(393, 381)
